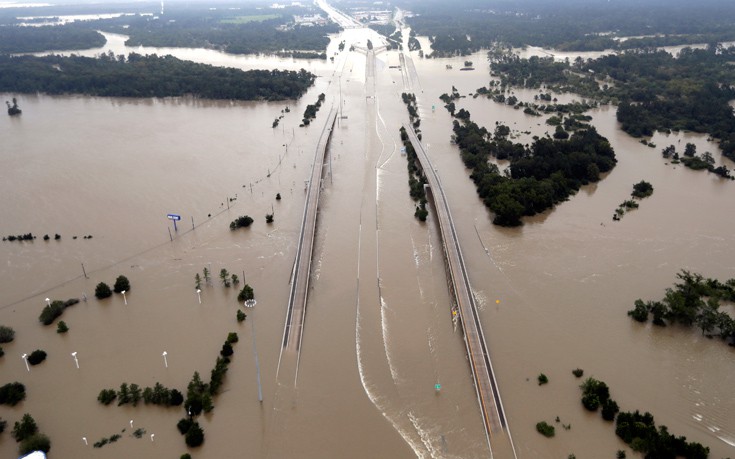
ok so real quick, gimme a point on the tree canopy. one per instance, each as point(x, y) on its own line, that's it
point(146, 76)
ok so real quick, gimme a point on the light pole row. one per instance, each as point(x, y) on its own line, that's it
point(76, 360)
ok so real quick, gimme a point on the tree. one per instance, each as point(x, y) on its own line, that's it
point(12, 393)
point(545, 429)
point(122, 284)
point(240, 316)
point(194, 436)
point(7, 334)
point(269, 218)
point(106, 396)
point(224, 277)
point(13, 110)
point(102, 291)
point(207, 278)
point(24, 428)
point(690, 150)
point(241, 222)
point(36, 357)
point(36, 442)
point(61, 327)
point(235, 280)
point(197, 282)
point(247, 293)
point(642, 189)
point(542, 379)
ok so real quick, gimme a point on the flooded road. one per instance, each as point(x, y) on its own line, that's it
point(378, 333)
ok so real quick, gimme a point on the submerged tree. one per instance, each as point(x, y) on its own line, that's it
point(13, 110)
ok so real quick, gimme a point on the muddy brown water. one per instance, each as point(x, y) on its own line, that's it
point(378, 334)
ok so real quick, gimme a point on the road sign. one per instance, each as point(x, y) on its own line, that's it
point(175, 218)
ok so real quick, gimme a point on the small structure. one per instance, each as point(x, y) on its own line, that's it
point(34, 455)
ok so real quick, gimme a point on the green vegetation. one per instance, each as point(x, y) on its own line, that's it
point(695, 162)
point(542, 379)
point(234, 279)
point(37, 39)
point(3, 424)
point(578, 372)
point(102, 291)
point(24, 428)
point(232, 338)
point(240, 222)
point(638, 430)
point(460, 28)
point(146, 76)
point(61, 327)
point(541, 175)
point(51, 312)
point(416, 177)
point(197, 281)
point(13, 110)
point(240, 316)
point(693, 301)
point(12, 393)
point(107, 396)
point(122, 284)
point(194, 436)
point(205, 271)
point(7, 334)
point(642, 190)
point(269, 218)
point(224, 277)
point(36, 357)
point(111, 439)
point(654, 90)
point(247, 293)
point(311, 110)
point(545, 429)
point(36, 442)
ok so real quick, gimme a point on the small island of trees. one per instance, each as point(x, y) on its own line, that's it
point(13, 110)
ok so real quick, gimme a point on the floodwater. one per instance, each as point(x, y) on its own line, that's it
point(378, 333)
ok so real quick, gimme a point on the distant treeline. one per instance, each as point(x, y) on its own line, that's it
point(36, 39)
point(654, 90)
point(245, 30)
point(146, 76)
point(465, 26)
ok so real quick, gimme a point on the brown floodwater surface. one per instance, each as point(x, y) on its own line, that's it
point(378, 333)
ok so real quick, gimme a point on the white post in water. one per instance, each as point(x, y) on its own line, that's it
point(84, 439)
point(165, 361)
point(250, 304)
point(131, 423)
point(199, 295)
point(25, 359)
point(125, 298)
point(48, 301)
point(76, 361)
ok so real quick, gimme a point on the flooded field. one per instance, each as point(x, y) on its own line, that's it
point(378, 333)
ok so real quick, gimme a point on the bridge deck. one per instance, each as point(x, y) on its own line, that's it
point(482, 371)
point(296, 310)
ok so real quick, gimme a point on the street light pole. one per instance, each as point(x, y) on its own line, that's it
point(199, 295)
point(25, 359)
point(125, 298)
point(255, 351)
point(76, 361)
point(165, 361)
point(48, 301)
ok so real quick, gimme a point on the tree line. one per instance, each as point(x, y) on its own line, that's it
point(146, 76)
point(466, 26)
point(653, 89)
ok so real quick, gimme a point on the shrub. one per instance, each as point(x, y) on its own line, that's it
point(61, 327)
point(24, 428)
point(3, 423)
point(176, 399)
point(194, 436)
point(36, 357)
point(241, 222)
point(51, 312)
point(232, 338)
point(107, 396)
point(185, 456)
point(121, 283)
point(2, 353)
point(12, 393)
point(545, 429)
point(247, 293)
point(36, 442)
point(226, 350)
point(542, 379)
point(620, 454)
point(102, 291)
point(269, 218)
point(609, 410)
point(578, 372)
point(184, 425)
point(240, 316)
point(7, 334)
